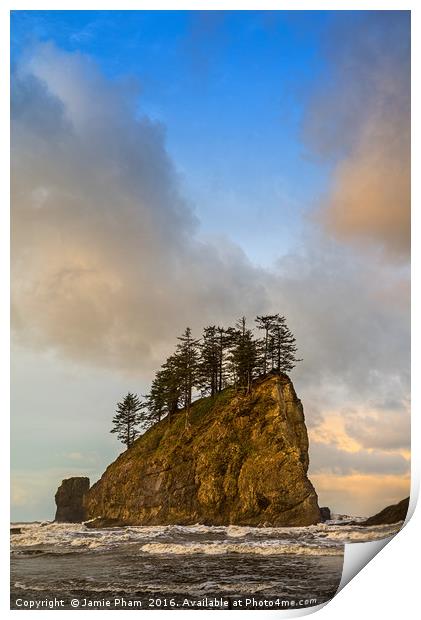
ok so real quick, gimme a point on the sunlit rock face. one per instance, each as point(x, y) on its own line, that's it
point(243, 460)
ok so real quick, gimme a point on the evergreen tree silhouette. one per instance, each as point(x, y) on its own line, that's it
point(127, 418)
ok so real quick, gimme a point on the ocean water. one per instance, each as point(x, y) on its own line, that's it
point(189, 567)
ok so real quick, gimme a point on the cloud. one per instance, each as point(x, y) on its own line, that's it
point(351, 319)
point(358, 117)
point(385, 429)
point(108, 263)
point(327, 458)
point(353, 429)
point(360, 494)
point(86, 460)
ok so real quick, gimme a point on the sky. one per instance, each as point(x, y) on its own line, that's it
point(185, 168)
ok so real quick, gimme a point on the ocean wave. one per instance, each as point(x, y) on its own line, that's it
point(348, 534)
point(76, 535)
point(241, 548)
point(314, 539)
point(18, 585)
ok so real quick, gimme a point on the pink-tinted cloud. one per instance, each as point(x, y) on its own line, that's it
point(359, 118)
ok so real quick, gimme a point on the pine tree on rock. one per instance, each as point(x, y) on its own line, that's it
point(224, 357)
point(289, 358)
point(156, 402)
point(165, 393)
point(186, 357)
point(208, 369)
point(282, 347)
point(127, 418)
point(244, 355)
point(213, 359)
point(224, 342)
point(266, 323)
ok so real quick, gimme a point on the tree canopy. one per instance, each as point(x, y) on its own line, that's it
point(222, 357)
point(127, 418)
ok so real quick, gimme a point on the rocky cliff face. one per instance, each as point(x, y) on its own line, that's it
point(243, 460)
point(69, 500)
point(390, 514)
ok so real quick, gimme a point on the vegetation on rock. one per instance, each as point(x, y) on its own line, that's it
point(127, 419)
point(243, 459)
point(223, 357)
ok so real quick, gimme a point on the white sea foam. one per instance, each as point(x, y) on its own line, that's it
point(238, 531)
point(321, 539)
point(213, 548)
point(76, 535)
point(349, 533)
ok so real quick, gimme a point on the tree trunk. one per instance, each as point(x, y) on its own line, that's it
point(128, 434)
point(187, 417)
point(266, 352)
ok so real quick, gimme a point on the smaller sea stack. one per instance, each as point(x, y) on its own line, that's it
point(390, 514)
point(70, 500)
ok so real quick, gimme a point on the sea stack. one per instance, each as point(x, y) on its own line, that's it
point(390, 514)
point(69, 500)
point(325, 513)
point(242, 459)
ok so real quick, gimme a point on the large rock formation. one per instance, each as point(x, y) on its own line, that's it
point(69, 500)
point(243, 460)
point(390, 514)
